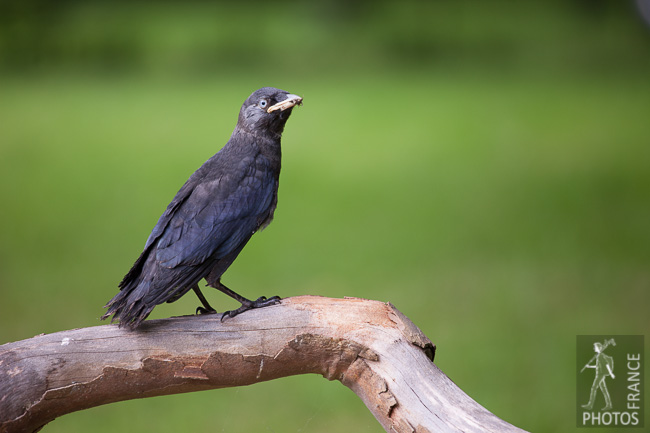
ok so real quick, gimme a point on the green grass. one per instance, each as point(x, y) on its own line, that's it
point(502, 214)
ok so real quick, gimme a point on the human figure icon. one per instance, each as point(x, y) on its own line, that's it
point(604, 366)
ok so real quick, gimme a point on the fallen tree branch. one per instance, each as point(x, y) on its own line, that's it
point(367, 345)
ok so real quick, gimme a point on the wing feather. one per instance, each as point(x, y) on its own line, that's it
point(218, 215)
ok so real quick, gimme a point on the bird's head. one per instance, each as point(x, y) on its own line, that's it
point(266, 111)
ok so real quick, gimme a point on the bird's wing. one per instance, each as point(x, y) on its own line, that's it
point(133, 276)
point(217, 215)
point(166, 217)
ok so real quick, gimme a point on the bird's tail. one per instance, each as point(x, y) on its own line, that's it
point(140, 294)
point(129, 307)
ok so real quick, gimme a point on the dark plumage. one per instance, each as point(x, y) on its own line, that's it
point(212, 217)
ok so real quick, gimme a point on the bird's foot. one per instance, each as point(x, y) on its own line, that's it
point(201, 310)
point(260, 302)
point(206, 308)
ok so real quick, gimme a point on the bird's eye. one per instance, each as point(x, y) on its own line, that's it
point(263, 103)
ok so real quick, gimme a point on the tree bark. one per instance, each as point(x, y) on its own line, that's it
point(369, 346)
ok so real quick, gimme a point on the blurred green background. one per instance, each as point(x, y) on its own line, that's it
point(484, 166)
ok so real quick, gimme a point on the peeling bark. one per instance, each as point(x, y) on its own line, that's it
point(368, 346)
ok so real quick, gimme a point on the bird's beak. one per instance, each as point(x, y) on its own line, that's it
point(290, 101)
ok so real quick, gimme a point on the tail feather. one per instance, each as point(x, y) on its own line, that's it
point(129, 307)
point(141, 293)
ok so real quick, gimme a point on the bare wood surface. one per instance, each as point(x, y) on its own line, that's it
point(367, 345)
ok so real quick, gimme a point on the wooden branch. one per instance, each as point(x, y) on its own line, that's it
point(367, 345)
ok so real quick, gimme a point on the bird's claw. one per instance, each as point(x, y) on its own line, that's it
point(201, 310)
point(260, 302)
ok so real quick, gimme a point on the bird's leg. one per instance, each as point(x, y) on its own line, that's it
point(246, 304)
point(207, 308)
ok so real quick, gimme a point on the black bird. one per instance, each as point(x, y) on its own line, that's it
point(212, 217)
